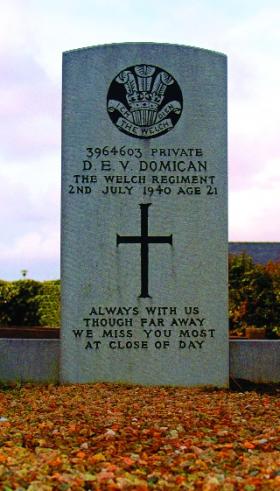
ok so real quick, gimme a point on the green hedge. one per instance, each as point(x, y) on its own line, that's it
point(30, 303)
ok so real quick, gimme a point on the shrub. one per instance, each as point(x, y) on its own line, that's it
point(29, 303)
point(48, 301)
point(254, 294)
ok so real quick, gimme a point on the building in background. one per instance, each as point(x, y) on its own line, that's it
point(261, 252)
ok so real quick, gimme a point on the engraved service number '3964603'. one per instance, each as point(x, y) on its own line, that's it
point(105, 151)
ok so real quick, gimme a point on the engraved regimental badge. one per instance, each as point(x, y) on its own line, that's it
point(144, 101)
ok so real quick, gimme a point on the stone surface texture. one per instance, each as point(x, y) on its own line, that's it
point(255, 360)
point(29, 360)
point(137, 341)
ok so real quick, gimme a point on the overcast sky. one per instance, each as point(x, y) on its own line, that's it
point(33, 35)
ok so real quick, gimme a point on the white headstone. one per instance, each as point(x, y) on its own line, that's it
point(144, 215)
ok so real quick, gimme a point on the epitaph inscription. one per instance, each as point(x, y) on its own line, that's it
point(144, 216)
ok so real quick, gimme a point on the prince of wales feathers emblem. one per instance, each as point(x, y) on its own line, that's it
point(150, 104)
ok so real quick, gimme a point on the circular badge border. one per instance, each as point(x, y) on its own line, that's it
point(150, 136)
